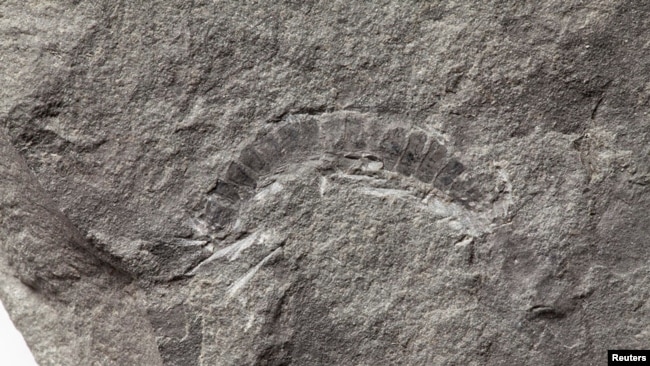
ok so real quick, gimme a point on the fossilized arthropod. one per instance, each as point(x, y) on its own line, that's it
point(345, 136)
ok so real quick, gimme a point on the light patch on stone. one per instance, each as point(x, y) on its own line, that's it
point(373, 166)
point(272, 189)
point(250, 322)
point(200, 227)
point(464, 243)
point(458, 218)
point(322, 187)
point(438, 207)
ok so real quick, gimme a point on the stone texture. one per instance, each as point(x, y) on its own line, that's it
point(325, 182)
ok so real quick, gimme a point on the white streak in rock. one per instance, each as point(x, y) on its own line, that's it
point(384, 192)
point(323, 185)
point(235, 287)
point(269, 239)
point(357, 177)
point(231, 252)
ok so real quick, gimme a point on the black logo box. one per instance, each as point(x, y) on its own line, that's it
point(628, 357)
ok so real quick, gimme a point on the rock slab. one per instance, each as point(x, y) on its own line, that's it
point(325, 182)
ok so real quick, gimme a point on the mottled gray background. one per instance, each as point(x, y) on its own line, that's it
point(325, 182)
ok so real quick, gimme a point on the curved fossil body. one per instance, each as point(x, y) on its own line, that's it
point(348, 142)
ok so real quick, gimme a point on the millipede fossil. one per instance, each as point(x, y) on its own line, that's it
point(394, 147)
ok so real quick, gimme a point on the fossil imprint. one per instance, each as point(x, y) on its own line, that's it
point(345, 137)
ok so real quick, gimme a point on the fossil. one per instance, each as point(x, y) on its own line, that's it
point(348, 141)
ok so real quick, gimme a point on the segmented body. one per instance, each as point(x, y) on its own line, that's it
point(392, 146)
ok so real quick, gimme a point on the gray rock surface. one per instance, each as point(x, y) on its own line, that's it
point(325, 182)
